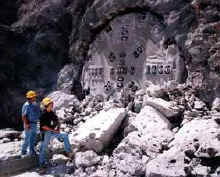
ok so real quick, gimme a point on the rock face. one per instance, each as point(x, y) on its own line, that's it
point(34, 59)
point(203, 51)
point(65, 78)
point(38, 50)
point(8, 12)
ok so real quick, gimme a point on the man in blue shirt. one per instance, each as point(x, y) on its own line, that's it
point(30, 117)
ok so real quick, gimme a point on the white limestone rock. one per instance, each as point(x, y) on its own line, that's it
point(67, 130)
point(96, 133)
point(86, 159)
point(154, 130)
point(149, 120)
point(130, 164)
point(155, 91)
point(152, 133)
point(6, 140)
point(99, 173)
point(201, 170)
point(63, 103)
point(10, 150)
point(199, 105)
point(198, 139)
point(168, 109)
point(216, 104)
point(9, 133)
point(168, 164)
point(32, 174)
point(62, 99)
point(59, 159)
point(201, 136)
point(65, 78)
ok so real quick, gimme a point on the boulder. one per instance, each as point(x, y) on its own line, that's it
point(193, 152)
point(149, 120)
point(62, 99)
point(154, 130)
point(59, 159)
point(129, 164)
point(10, 150)
point(155, 91)
point(201, 136)
point(86, 159)
point(199, 105)
point(5, 140)
point(168, 164)
point(99, 173)
point(63, 103)
point(166, 108)
point(216, 104)
point(201, 170)
point(151, 135)
point(96, 133)
point(32, 174)
point(65, 79)
point(9, 133)
point(128, 156)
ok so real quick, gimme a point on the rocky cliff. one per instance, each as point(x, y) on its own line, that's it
point(34, 47)
point(39, 37)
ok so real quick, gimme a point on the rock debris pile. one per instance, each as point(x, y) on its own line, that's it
point(173, 134)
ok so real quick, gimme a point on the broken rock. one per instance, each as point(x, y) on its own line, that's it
point(86, 159)
point(62, 99)
point(216, 104)
point(168, 109)
point(200, 133)
point(97, 133)
point(9, 133)
point(170, 163)
point(155, 91)
point(155, 130)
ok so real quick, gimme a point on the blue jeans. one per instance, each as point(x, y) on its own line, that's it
point(44, 144)
point(30, 139)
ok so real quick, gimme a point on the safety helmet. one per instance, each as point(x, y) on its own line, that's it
point(46, 101)
point(31, 94)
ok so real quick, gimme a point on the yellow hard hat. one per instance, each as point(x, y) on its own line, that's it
point(31, 94)
point(46, 101)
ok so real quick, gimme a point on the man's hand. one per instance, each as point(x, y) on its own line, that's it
point(56, 131)
point(26, 122)
point(27, 126)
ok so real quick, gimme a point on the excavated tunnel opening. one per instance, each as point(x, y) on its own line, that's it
point(132, 47)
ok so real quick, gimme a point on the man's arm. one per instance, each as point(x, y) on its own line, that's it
point(25, 116)
point(26, 121)
point(46, 128)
